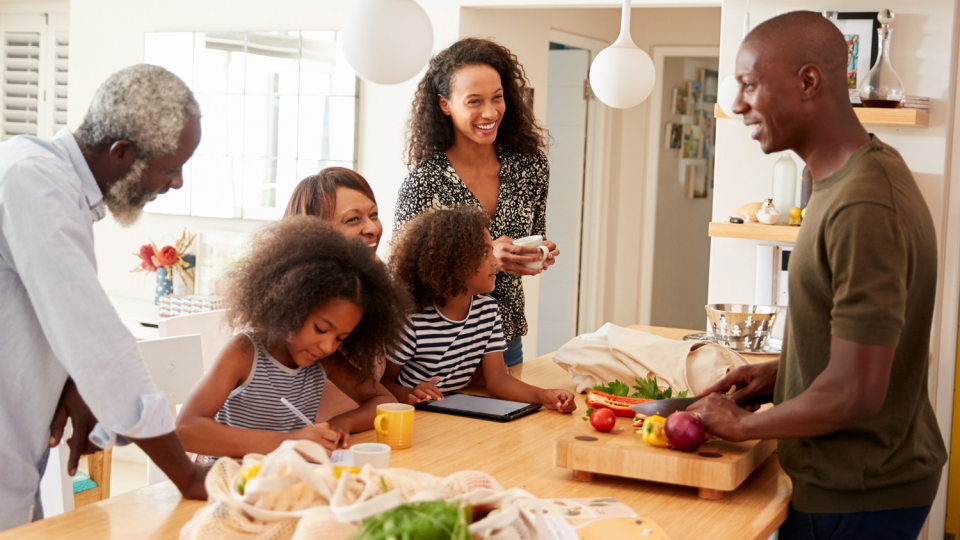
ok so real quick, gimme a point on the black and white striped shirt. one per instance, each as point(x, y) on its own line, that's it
point(255, 404)
point(433, 345)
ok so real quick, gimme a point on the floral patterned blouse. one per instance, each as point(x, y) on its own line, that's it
point(521, 211)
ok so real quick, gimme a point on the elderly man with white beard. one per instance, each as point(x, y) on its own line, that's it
point(63, 350)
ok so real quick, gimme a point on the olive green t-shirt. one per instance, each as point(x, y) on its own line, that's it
point(863, 269)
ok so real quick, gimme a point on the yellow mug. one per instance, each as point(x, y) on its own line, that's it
point(394, 425)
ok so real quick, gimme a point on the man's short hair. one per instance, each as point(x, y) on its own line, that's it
point(144, 104)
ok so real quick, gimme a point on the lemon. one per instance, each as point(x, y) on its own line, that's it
point(340, 469)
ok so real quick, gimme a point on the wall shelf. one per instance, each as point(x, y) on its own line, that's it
point(881, 117)
point(754, 231)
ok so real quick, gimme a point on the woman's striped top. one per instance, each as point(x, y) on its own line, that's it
point(255, 404)
point(433, 345)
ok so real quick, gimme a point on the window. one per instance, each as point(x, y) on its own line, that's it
point(35, 73)
point(277, 107)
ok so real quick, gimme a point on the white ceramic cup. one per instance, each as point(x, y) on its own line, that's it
point(376, 454)
point(533, 241)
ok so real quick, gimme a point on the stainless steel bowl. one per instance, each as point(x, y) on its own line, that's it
point(742, 327)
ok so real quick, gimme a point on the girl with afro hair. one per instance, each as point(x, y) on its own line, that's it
point(445, 258)
point(304, 293)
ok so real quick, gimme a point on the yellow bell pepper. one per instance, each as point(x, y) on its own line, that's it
point(653, 432)
point(245, 475)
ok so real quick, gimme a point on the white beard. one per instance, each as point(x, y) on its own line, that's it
point(125, 198)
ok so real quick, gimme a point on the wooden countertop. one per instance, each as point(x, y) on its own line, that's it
point(517, 454)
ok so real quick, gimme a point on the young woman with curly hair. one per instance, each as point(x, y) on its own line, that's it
point(473, 140)
point(344, 199)
point(304, 292)
point(445, 258)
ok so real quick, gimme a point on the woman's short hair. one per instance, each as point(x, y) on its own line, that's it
point(317, 195)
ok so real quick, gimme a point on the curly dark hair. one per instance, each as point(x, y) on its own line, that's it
point(302, 262)
point(430, 131)
point(317, 195)
point(437, 252)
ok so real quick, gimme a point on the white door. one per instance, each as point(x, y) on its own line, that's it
point(567, 124)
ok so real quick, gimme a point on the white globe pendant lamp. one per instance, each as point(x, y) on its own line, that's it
point(622, 75)
point(387, 41)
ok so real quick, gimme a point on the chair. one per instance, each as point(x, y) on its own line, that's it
point(176, 365)
point(209, 324)
point(60, 493)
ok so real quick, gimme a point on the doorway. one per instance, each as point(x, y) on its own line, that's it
point(566, 290)
point(675, 248)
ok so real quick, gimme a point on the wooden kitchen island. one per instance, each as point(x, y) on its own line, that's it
point(517, 454)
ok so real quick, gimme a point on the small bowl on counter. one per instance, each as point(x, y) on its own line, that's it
point(742, 327)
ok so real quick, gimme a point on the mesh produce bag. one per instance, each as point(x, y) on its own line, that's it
point(298, 495)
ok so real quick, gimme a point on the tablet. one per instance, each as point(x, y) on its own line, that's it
point(484, 408)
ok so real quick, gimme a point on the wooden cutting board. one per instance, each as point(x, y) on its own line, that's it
point(717, 466)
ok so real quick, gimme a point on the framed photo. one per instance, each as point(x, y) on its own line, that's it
point(216, 251)
point(860, 31)
point(710, 81)
point(672, 135)
point(691, 141)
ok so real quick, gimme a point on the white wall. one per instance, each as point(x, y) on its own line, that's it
point(107, 35)
point(926, 62)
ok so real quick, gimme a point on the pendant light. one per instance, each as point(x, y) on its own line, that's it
point(622, 75)
point(727, 91)
point(387, 41)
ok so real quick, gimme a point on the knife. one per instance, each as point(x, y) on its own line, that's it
point(665, 407)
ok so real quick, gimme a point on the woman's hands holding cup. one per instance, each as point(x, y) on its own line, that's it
point(514, 258)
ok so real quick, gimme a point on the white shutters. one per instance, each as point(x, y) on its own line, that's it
point(21, 83)
point(35, 66)
point(59, 72)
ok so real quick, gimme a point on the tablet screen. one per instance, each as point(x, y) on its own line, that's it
point(480, 406)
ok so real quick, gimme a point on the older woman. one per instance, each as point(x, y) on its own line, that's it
point(343, 198)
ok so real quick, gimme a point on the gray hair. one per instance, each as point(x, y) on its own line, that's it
point(144, 104)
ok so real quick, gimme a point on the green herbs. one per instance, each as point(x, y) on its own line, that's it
point(645, 388)
point(432, 520)
point(616, 388)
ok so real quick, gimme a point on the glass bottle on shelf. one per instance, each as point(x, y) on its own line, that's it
point(881, 87)
point(784, 183)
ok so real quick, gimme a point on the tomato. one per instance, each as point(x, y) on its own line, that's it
point(603, 419)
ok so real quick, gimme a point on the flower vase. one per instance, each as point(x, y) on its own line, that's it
point(164, 284)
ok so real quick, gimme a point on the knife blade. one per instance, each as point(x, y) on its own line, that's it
point(666, 407)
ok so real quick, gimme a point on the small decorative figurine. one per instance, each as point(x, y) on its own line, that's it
point(795, 218)
point(768, 214)
point(749, 211)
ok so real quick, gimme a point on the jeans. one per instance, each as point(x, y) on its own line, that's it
point(899, 524)
point(514, 353)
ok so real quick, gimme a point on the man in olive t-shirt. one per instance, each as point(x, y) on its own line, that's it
point(857, 434)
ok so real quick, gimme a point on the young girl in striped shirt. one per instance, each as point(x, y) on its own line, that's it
point(304, 292)
point(445, 258)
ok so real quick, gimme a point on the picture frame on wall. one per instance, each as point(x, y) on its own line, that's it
point(859, 29)
point(710, 80)
point(216, 251)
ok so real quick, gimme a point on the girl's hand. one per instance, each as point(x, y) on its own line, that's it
point(510, 257)
point(425, 391)
point(552, 256)
point(322, 434)
point(558, 400)
point(342, 428)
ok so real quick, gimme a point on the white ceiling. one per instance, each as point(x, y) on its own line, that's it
point(588, 3)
